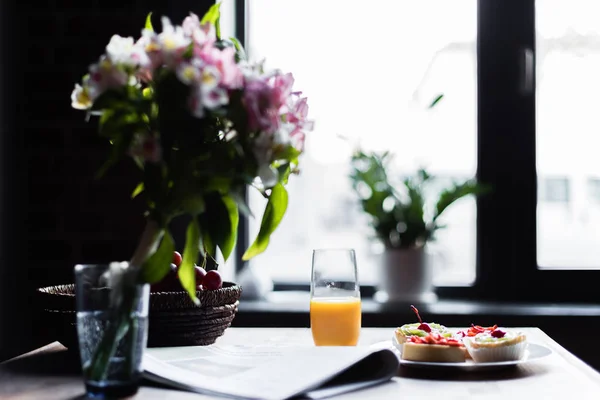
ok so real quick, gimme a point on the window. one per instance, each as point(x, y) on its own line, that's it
point(568, 61)
point(519, 110)
point(593, 193)
point(370, 80)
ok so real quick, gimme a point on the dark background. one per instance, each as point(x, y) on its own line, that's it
point(53, 214)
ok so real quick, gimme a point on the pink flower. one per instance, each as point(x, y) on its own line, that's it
point(298, 111)
point(190, 24)
point(263, 115)
point(207, 53)
point(150, 44)
point(200, 33)
point(231, 73)
point(172, 43)
point(104, 76)
point(297, 138)
point(282, 88)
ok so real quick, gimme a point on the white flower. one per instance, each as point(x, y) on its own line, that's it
point(213, 98)
point(190, 24)
point(172, 40)
point(80, 98)
point(268, 175)
point(252, 70)
point(148, 41)
point(106, 75)
point(113, 279)
point(124, 51)
point(210, 78)
point(206, 92)
point(189, 72)
point(282, 136)
point(262, 149)
point(199, 33)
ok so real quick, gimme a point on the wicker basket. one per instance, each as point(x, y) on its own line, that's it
point(174, 320)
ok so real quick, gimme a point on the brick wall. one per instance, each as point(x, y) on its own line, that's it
point(64, 216)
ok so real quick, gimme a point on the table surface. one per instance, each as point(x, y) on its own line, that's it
point(52, 372)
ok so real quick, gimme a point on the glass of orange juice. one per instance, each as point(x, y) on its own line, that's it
point(335, 309)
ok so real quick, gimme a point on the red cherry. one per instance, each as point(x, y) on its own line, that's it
point(177, 258)
point(424, 327)
point(168, 282)
point(212, 280)
point(498, 333)
point(174, 282)
point(200, 274)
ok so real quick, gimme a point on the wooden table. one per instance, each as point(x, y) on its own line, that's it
point(52, 372)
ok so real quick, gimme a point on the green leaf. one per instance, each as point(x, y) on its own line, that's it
point(187, 274)
point(210, 246)
point(236, 43)
point(274, 212)
point(138, 189)
point(457, 191)
point(108, 99)
point(194, 204)
point(240, 53)
point(436, 100)
point(220, 223)
point(148, 24)
point(157, 266)
point(213, 16)
point(284, 172)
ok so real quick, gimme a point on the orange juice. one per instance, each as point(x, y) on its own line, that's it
point(335, 321)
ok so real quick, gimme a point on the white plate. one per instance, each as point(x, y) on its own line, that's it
point(534, 352)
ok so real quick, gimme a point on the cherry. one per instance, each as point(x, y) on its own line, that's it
point(172, 279)
point(168, 283)
point(200, 274)
point(498, 333)
point(177, 258)
point(423, 326)
point(212, 280)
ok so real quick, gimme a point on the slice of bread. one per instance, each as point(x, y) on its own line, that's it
point(432, 352)
point(400, 336)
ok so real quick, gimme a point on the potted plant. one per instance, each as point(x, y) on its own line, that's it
point(202, 123)
point(404, 222)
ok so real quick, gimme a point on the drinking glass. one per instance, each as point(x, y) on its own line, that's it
point(335, 307)
point(121, 369)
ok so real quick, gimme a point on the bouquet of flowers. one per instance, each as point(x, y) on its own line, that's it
point(203, 123)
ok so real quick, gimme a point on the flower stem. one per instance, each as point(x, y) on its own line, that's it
point(121, 320)
point(147, 244)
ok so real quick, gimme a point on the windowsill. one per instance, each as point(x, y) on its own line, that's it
point(291, 309)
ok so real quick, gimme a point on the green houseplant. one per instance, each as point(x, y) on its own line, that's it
point(403, 220)
point(203, 123)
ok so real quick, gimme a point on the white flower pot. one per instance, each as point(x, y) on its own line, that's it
point(406, 275)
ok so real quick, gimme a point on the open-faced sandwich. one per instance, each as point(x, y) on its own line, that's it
point(420, 329)
point(433, 348)
point(492, 344)
point(429, 342)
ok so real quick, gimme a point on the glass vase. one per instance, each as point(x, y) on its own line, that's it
point(112, 326)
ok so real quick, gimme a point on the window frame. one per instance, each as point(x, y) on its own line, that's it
point(506, 250)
